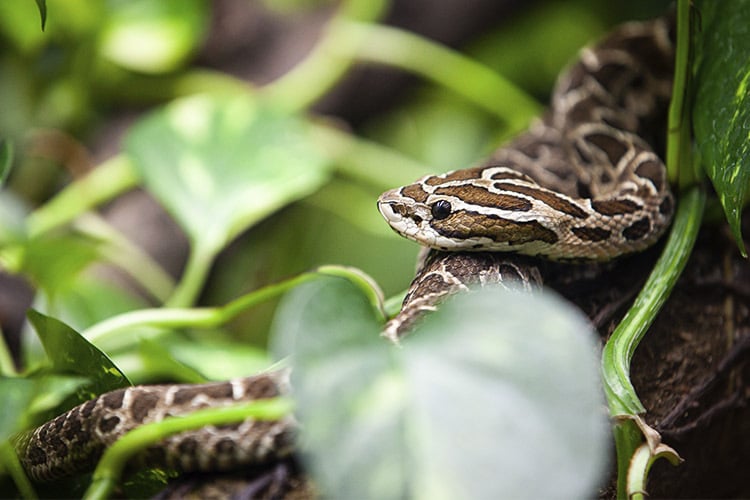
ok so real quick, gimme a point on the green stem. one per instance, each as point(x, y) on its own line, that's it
point(14, 467)
point(678, 133)
point(112, 463)
point(209, 317)
point(193, 277)
point(627, 439)
point(108, 180)
point(6, 159)
point(367, 161)
point(461, 74)
point(618, 352)
point(118, 250)
point(7, 367)
point(619, 349)
point(329, 60)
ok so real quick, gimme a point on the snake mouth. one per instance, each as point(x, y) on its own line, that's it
point(393, 213)
point(391, 207)
point(398, 216)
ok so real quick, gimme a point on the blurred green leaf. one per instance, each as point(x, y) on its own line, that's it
point(722, 107)
point(220, 360)
point(42, 6)
point(90, 299)
point(494, 381)
point(51, 392)
point(199, 360)
point(153, 37)
point(72, 354)
point(220, 165)
point(17, 394)
point(160, 363)
point(53, 262)
point(6, 159)
point(18, 22)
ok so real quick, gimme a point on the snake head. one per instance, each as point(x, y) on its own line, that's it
point(466, 210)
point(409, 211)
point(444, 211)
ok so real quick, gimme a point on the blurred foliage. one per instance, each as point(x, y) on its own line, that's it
point(412, 439)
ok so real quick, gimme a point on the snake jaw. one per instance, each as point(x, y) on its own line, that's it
point(408, 218)
point(397, 213)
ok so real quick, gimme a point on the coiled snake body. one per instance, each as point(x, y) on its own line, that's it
point(583, 183)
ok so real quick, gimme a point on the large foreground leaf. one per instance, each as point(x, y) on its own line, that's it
point(495, 396)
point(722, 108)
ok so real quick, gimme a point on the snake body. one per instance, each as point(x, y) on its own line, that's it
point(583, 183)
point(74, 441)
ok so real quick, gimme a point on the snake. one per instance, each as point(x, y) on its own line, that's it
point(585, 182)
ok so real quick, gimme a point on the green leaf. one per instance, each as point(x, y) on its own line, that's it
point(42, 5)
point(220, 165)
point(174, 357)
point(153, 37)
point(6, 159)
point(51, 393)
point(722, 106)
point(491, 393)
point(219, 360)
point(159, 362)
point(17, 394)
point(70, 353)
point(53, 262)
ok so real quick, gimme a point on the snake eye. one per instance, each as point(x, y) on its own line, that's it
point(441, 209)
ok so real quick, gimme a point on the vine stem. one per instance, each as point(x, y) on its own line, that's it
point(9, 458)
point(468, 78)
point(328, 61)
point(111, 178)
point(207, 317)
point(618, 352)
point(622, 399)
point(112, 463)
point(191, 282)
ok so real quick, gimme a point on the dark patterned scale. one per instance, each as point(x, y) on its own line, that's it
point(74, 441)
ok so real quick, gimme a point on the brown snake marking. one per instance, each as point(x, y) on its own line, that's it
point(582, 183)
point(74, 441)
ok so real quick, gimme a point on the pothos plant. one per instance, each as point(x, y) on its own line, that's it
point(490, 395)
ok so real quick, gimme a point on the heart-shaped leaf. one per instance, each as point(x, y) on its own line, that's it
point(493, 392)
point(220, 164)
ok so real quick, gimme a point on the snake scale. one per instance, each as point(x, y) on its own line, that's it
point(583, 183)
